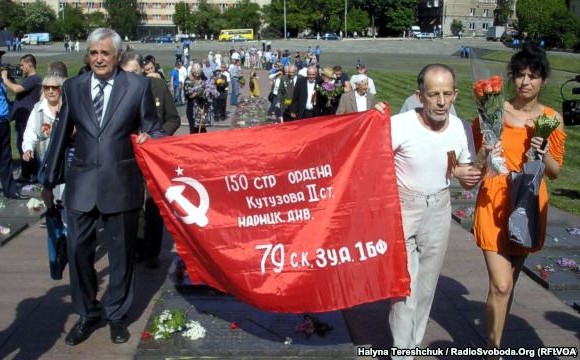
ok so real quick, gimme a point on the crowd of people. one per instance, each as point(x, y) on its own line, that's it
point(91, 145)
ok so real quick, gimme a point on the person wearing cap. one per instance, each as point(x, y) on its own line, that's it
point(358, 100)
point(361, 69)
point(235, 72)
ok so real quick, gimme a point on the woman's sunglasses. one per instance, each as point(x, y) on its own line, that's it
point(51, 87)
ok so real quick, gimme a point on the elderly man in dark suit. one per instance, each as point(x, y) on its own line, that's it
point(104, 188)
point(358, 100)
point(303, 98)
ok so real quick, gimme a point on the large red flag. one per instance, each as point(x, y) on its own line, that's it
point(295, 217)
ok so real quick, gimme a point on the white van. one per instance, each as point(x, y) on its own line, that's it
point(415, 30)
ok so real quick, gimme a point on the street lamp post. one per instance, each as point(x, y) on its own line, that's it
point(345, 31)
point(285, 33)
point(62, 5)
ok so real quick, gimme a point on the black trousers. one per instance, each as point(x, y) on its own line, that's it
point(118, 233)
point(28, 169)
point(6, 179)
point(153, 233)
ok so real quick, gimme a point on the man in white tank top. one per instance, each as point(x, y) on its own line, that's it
point(430, 146)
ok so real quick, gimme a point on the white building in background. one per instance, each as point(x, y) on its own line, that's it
point(157, 15)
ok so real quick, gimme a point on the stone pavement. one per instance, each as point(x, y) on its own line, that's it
point(37, 313)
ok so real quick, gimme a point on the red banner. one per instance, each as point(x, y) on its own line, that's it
point(295, 217)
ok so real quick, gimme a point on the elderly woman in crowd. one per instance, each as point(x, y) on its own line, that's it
point(328, 93)
point(358, 100)
point(199, 109)
point(42, 119)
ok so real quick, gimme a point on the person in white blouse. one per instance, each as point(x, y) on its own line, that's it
point(41, 121)
point(42, 118)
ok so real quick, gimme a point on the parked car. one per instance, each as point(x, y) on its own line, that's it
point(148, 39)
point(425, 35)
point(330, 36)
point(165, 39)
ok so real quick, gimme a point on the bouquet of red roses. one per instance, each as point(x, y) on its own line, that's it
point(489, 102)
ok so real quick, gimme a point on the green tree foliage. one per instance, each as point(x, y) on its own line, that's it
point(206, 20)
point(96, 19)
point(401, 15)
point(38, 16)
point(392, 17)
point(299, 16)
point(562, 31)
point(124, 16)
point(357, 20)
point(73, 25)
point(181, 16)
point(11, 15)
point(456, 26)
point(503, 12)
point(244, 15)
point(535, 15)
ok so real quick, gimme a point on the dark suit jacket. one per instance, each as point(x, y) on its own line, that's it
point(299, 98)
point(347, 103)
point(166, 110)
point(104, 171)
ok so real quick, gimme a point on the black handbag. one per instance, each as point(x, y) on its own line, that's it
point(271, 96)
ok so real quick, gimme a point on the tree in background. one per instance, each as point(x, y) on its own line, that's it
point(456, 27)
point(206, 20)
point(96, 19)
point(73, 24)
point(535, 15)
point(400, 15)
point(300, 17)
point(181, 17)
point(244, 15)
point(357, 20)
point(503, 12)
point(38, 16)
point(124, 16)
point(11, 16)
point(562, 31)
point(391, 17)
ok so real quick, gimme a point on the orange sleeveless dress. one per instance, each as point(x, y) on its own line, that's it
point(492, 208)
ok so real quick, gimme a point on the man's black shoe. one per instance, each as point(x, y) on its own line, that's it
point(119, 332)
point(82, 330)
point(18, 196)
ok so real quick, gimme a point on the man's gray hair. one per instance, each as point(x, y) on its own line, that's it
point(103, 33)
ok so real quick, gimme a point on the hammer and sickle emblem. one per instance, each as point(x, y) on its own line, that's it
point(195, 215)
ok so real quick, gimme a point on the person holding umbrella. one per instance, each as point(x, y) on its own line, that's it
point(528, 71)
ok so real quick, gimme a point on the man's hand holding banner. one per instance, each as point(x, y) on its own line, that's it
point(295, 217)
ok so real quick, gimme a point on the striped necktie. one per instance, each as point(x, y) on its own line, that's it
point(99, 101)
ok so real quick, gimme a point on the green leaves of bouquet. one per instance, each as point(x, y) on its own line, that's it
point(171, 322)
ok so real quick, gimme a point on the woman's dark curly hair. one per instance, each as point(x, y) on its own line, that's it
point(530, 56)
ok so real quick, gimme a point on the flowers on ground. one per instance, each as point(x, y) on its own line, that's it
point(170, 322)
point(489, 102)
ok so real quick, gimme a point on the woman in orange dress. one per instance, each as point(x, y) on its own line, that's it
point(528, 70)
